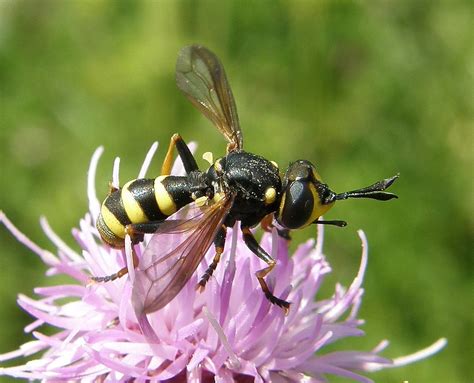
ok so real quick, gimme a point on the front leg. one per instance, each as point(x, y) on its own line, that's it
point(253, 245)
point(267, 224)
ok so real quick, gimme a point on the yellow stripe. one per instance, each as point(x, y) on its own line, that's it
point(112, 222)
point(316, 175)
point(282, 204)
point(132, 207)
point(163, 198)
point(318, 208)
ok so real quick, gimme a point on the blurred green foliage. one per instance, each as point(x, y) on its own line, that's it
point(363, 91)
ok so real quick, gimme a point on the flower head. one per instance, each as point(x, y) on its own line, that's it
point(227, 333)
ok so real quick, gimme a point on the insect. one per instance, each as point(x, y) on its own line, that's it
point(201, 205)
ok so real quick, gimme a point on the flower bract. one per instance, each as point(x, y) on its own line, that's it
point(228, 333)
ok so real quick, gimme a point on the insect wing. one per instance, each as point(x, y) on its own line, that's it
point(201, 77)
point(174, 252)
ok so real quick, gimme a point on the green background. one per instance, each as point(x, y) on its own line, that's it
point(363, 90)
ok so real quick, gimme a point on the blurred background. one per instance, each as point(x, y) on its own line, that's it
point(362, 91)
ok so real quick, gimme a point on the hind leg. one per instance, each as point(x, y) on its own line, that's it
point(184, 153)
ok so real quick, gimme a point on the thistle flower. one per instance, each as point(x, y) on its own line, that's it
point(228, 333)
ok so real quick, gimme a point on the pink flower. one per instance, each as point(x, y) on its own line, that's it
point(228, 333)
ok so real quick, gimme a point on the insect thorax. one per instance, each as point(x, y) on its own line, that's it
point(254, 181)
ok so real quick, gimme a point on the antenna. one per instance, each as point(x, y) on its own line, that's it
point(375, 191)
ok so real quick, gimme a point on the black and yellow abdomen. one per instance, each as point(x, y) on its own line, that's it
point(140, 201)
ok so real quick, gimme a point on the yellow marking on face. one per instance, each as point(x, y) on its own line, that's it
point(132, 207)
point(282, 204)
point(316, 175)
point(318, 208)
point(112, 222)
point(163, 198)
point(270, 195)
point(275, 164)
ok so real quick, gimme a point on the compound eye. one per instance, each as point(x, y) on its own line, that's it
point(297, 205)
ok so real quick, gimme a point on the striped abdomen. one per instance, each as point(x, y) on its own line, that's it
point(140, 201)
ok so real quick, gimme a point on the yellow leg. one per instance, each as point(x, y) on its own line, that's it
point(168, 162)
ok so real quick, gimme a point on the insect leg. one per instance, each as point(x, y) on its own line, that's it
point(136, 232)
point(112, 188)
point(253, 245)
point(219, 243)
point(267, 224)
point(284, 233)
point(184, 153)
point(123, 271)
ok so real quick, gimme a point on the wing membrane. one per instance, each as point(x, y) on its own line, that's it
point(201, 77)
point(174, 252)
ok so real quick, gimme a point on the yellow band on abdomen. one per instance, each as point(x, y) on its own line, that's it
point(132, 207)
point(112, 222)
point(163, 198)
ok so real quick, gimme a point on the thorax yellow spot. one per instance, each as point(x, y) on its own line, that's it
point(270, 195)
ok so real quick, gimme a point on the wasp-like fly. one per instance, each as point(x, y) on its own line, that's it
point(195, 210)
